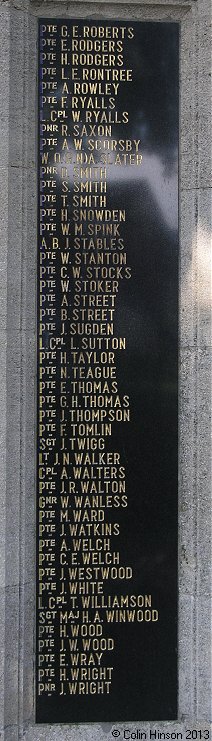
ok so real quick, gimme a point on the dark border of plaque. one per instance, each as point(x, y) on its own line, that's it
point(107, 527)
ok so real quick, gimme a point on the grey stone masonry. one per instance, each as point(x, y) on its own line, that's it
point(18, 162)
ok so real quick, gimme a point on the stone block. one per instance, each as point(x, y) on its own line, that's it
point(195, 267)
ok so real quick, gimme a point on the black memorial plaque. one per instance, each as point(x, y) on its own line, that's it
point(107, 371)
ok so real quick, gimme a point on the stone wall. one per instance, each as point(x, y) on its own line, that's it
point(18, 50)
